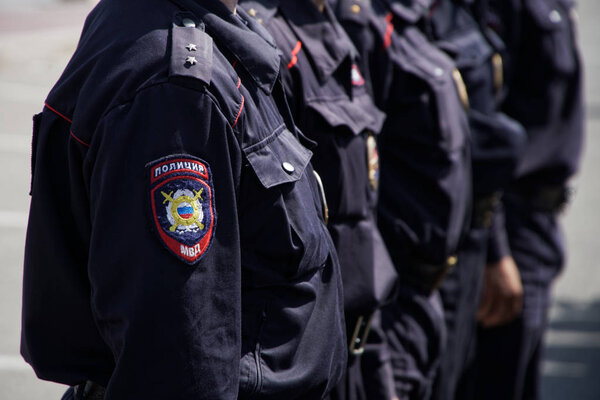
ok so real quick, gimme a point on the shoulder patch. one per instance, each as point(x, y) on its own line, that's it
point(182, 205)
point(191, 53)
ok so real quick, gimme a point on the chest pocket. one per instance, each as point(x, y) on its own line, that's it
point(282, 227)
point(341, 127)
point(474, 58)
point(425, 86)
point(553, 27)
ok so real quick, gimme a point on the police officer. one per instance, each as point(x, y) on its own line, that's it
point(545, 95)
point(496, 143)
point(176, 245)
point(330, 100)
point(424, 199)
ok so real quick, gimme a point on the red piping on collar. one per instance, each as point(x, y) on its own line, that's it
point(389, 29)
point(239, 113)
point(295, 52)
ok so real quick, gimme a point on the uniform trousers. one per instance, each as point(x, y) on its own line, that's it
point(508, 365)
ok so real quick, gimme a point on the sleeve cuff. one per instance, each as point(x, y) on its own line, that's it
point(498, 246)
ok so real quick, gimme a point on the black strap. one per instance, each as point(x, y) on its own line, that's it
point(89, 391)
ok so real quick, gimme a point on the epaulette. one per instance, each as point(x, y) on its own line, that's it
point(353, 10)
point(263, 11)
point(191, 49)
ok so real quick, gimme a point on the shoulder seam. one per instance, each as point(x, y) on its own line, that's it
point(168, 82)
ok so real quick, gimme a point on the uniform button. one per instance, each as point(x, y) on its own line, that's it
point(252, 12)
point(452, 261)
point(188, 23)
point(438, 71)
point(287, 167)
point(555, 16)
point(355, 8)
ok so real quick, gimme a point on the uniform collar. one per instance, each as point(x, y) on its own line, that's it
point(321, 35)
point(247, 40)
point(410, 10)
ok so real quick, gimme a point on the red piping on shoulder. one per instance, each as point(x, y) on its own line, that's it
point(58, 113)
point(79, 140)
point(69, 121)
point(295, 52)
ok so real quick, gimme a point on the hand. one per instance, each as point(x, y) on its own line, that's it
point(502, 297)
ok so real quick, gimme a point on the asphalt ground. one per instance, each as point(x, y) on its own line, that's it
point(37, 38)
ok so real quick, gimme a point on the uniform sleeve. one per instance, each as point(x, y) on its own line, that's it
point(165, 289)
point(376, 364)
point(498, 246)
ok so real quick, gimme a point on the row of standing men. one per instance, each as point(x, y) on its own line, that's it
point(386, 176)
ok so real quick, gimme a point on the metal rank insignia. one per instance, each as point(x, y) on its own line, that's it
point(182, 205)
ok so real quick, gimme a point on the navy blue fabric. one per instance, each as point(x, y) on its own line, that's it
point(424, 199)
point(508, 362)
point(509, 357)
point(103, 299)
point(416, 337)
point(497, 142)
point(545, 86)
point(425, 186)
point(377, 371)
point(460, 293)
point(545, 95)
point(330, 101)
point(338, 116)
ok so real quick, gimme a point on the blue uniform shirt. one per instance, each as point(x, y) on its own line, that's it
point(425, 185)
point(176, 246)
point(329, 99)
point(545, 94)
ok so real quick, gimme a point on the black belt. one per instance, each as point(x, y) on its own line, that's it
point(89, 391)
point(551, 199)
point(426, 277)
point(483, 210)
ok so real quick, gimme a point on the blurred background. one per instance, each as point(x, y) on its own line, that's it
point(37, 38)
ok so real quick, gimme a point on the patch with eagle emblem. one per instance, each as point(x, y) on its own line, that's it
point(182, 205)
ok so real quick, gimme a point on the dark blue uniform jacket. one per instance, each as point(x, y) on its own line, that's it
point(330, 102)
point(545, 94)
point(176, 246)
point(497, 140)
point(425, 185)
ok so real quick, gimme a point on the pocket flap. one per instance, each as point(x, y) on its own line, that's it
point(280, 158)
point(357, 115)
point(468, 49)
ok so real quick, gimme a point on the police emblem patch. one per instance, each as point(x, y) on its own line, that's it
point(182, 205)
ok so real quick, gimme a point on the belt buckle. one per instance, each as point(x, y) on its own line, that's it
point(359, 337)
